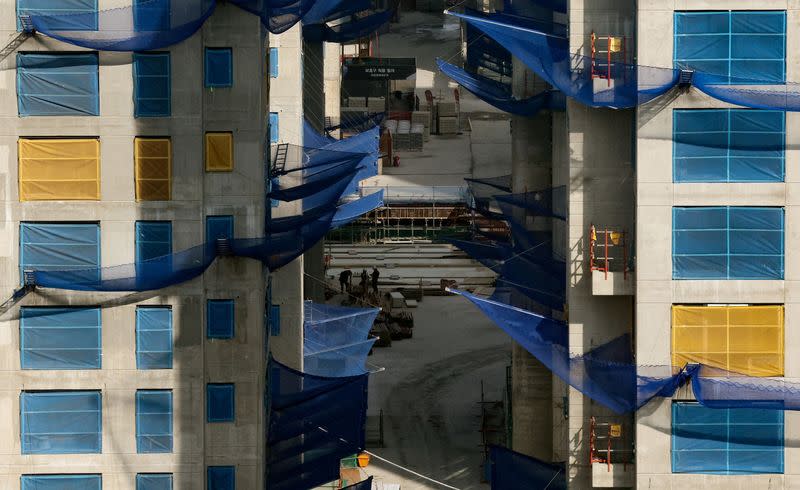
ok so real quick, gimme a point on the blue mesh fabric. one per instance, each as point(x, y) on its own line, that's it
point(314, 422)
point(71, 247)
point(348, 30)
point(496, 93)
point(335, 339)
point(356, 121)
point(485, 52)
point(510, 470)
point(153, 337)
point(351, 211)
point(551, 202)
point(546, 52)
point(154, 24)
point(154, 481)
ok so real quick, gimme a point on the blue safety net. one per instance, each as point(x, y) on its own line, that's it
point(608, 374)
point(537, 9)
point(319, 182)
point(348, 29)
point(544, 48)
point(485, 52)
point(154, 24)
point(146, 25)
point(510, 470)
point(274, 250)
point(58, 84)
point(335, 339)
point(728, 145)
point(550, 202)
point(356, 120)
point(496, 93)
point(727, 242)
point(483, 192)
point(314, 422)
point(365, 144)
point(351, 211)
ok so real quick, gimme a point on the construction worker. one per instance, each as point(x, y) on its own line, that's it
point(344, 279)
point(375, 276)
point(364, 280)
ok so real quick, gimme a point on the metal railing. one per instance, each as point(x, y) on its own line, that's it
point(608, 250)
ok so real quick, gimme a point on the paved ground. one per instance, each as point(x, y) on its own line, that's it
point(429, 394)
point(483, 147)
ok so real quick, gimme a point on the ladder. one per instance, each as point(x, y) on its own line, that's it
point(279, 163)
point(21, 37)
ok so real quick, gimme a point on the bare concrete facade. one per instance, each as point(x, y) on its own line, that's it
point(656, 292)
point(196, 194)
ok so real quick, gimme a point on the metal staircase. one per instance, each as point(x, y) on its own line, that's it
point(279, 162)
point(21, 37)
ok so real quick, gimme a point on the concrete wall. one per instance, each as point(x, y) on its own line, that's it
point(657, 292)
point(196, 194)
point(599, 178)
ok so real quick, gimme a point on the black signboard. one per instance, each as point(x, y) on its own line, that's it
point(379, 68)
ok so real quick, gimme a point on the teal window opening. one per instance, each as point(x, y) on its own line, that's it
point(726, 441)
point(220, 402)
point(154, 421)
point(152, 85)
point(727, 243)
point(61, 422)
point(728, 145)
point(60, 338)
point(154, 337)
point(220, 319)
point(744, 47)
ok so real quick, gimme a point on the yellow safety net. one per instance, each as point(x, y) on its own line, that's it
point(153, 164)
point(59, 169)
point(219, 152)
point(741, 339)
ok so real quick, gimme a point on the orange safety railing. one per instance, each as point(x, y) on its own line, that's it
point(605, 51)
point(607, 445)
point(608, 251)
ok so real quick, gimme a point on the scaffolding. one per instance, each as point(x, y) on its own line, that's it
point(412, 222)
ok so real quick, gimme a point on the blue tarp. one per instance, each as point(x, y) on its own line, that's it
point(353, 210)
point(220, 402)
point(153, 239)
point(499, 94)
point(335, 339)
point(154, 481)
point(58, 84)
point(220, 319)
point(60, 338)
point(510, 470)
point(61, 422)
point(221, 478)
point(314, 422)
point(727, 242)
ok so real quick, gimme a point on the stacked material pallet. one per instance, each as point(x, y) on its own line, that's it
point(416, 137)
point(376, 104)
point(360, 102)
point(424, 118)
point(448, 118)
point(402, 138)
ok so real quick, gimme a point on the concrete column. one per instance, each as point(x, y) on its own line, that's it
point(531, 381)
point(286, 98)
point(314, 102)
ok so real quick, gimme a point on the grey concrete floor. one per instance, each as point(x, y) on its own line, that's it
point(429, 394)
